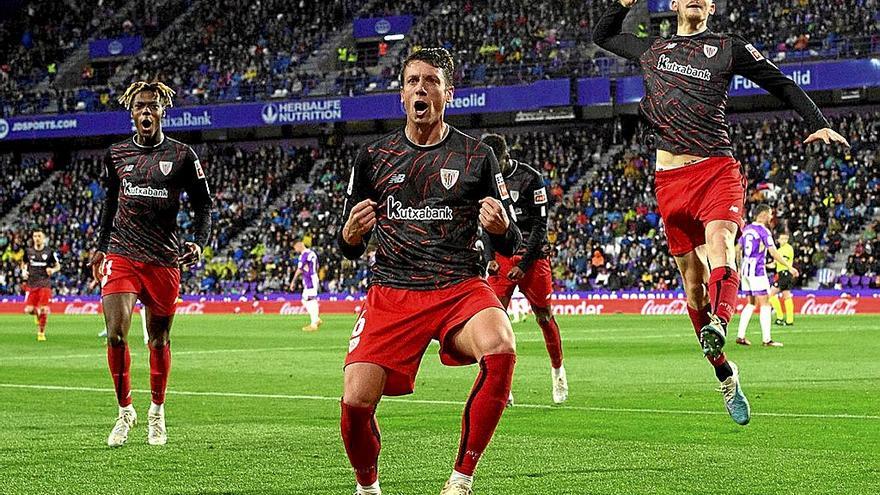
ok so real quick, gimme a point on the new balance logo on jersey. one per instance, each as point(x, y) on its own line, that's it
point(397, 179)
point(396, 211)
point(734, 209)
point(148, 192)
point(667, 65)
point(128, 168)
point(670, 46)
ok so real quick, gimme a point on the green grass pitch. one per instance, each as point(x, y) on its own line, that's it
point(253, 409)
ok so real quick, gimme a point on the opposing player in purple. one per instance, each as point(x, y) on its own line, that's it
point(756, 242)
point(307, 268)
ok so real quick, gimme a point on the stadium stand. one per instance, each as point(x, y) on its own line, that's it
point(517, 42)
point(604, 224)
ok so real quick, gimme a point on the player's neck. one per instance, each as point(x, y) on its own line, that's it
point(149, 141)
point(39, 247)
point(686, 28)
point(426, 135)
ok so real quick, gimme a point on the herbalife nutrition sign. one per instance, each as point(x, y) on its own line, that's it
point(541, 94)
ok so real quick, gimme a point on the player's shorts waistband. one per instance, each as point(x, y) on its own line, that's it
point(710, 161)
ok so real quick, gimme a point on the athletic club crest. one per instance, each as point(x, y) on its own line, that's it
point(165, 167)
point(514, 195)
point(448, 177)
point(710, 50)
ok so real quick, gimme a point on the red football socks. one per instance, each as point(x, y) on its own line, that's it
point(360, 434)
point(552, 340)
point(42, 317)
point(483, 409)
point(723, 284)
point(699, 319)
point(160, 367)
point(119, 360)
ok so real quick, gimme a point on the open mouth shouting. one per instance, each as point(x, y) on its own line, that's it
point(421, 108)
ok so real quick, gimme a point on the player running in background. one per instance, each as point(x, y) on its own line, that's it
point(529, 268)
point(307, 267)
point(423, 190)
point(756, 242)
point(138, 255)
point(783, 284)
point(700, 187)
point(39, 264)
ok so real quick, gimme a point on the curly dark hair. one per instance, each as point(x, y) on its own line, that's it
point(436, 57)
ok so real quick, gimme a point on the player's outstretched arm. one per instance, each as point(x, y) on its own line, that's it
point(749, 62)
point(607, 33)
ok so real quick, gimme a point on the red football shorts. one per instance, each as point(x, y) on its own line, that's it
point(690, 197)
point(396, 326)
point(536, 285)
point(156, 286)
point(37, 296)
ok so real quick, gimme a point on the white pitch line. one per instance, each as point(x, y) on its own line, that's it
point(100, 353)
point(445, 402)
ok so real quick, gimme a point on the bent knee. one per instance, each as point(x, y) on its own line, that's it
point(357, 398)
point(503, 343)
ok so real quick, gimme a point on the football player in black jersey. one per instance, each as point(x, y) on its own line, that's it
point(423, 190)
point(700, 187)
point(139, 251)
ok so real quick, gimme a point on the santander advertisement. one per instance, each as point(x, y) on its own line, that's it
point(563, 304)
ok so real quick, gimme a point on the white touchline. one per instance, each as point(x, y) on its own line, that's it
point(443, 402)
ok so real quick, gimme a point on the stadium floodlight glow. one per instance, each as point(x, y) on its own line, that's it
point(394, 37)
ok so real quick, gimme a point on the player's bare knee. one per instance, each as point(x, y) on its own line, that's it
point(503, 342)
point(159, 342)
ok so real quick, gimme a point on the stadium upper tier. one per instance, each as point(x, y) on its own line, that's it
point(234, 50)
point(605, 229)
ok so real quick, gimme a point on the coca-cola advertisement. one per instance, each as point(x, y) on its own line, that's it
point(585, 304)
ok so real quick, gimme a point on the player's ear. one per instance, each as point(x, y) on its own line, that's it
point(449, 91)
point(712, 7)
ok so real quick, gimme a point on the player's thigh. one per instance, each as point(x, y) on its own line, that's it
point(720, 242)
point(29, 309)
point(487, 332)
point(158, 327)
point(762, 300)
point(117, 314)
point(537, 286)
point(364, 383)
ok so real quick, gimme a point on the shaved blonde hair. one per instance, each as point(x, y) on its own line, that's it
point(164, 93)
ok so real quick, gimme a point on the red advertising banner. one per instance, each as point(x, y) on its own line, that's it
point(807, 305)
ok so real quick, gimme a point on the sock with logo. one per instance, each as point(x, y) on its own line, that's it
point(119, 360)
point(723, 285)
point(360, 434)
point(699, 319)
point(483, 409)
point(160, 368)
point(552, 340)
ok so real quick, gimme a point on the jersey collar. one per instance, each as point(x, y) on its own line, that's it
point(133, 140)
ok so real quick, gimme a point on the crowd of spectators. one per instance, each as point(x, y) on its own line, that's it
point(232, 50)
point(604, 226)
point(803, 29)
point(863, 266)
point(244, 179)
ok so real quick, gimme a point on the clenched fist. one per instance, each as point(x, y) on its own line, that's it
point(493, 218)
point(361, 220)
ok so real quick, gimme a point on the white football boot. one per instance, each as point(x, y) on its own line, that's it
point(124, 423)
point(560, 385)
